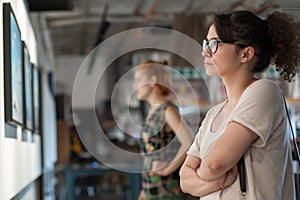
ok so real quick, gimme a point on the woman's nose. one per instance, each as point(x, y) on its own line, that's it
point(134, 85)
point(206, 52)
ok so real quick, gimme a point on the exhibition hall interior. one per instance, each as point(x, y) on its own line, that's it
point(70, 120)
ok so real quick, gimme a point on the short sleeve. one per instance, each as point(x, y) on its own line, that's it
point(257, 109)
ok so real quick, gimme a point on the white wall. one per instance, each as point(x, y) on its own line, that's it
point(20, 162)
point(49, 125)
point(31, 193)
point(47, 62)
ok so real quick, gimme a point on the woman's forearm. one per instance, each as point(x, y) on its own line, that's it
point(192, 184)
point(165, 169)
point(172, 167)
point(210, 172)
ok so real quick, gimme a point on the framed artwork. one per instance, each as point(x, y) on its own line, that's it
point(51, 83)
point(13, 68)
point(36, 98)
point(27, 88)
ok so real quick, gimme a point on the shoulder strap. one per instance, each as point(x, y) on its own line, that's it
point(242, 175)
point(241, 163)
point(290, 123)
point(168, 103)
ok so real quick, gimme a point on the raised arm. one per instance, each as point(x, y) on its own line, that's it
point(184, 135)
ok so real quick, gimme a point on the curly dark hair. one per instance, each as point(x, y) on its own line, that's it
point(276, 39)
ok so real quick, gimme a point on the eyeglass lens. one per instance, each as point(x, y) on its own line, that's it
point(212, 45)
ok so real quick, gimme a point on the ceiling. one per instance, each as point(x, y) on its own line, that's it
point(76, 31)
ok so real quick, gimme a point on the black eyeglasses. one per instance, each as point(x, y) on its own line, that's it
point(212, 44)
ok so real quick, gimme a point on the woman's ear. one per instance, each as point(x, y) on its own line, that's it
point(247, 54)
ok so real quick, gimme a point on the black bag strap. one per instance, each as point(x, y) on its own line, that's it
point(241, 163)
point(242, 175)
point(294, 139)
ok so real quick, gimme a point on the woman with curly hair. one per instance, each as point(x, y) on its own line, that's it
point(251, 125)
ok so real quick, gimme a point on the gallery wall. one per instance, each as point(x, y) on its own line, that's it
point(20, 156)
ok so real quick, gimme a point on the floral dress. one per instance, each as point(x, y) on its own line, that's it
point(158, 143)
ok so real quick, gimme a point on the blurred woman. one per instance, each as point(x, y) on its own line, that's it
point(165, 135)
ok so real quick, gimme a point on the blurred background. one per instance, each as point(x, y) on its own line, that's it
point(41, 152)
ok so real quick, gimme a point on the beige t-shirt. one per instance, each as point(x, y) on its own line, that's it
point(269, 173)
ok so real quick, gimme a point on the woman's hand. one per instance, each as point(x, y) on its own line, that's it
point(158, 167)
point(191, 183)
point(230, 177)
point(142, 195)
point(227, 179)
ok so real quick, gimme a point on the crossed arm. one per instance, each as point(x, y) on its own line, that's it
point(191, 183)
point(218, 169)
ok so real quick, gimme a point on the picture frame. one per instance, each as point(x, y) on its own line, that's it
point(27, 88)
point(36, 98)
point(12, 68)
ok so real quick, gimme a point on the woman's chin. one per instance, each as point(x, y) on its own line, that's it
point(211, 72)
point(139, 98)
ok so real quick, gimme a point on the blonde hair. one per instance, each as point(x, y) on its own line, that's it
point(154, 68)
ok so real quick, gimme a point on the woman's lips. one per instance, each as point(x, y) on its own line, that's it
point(207, 64)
